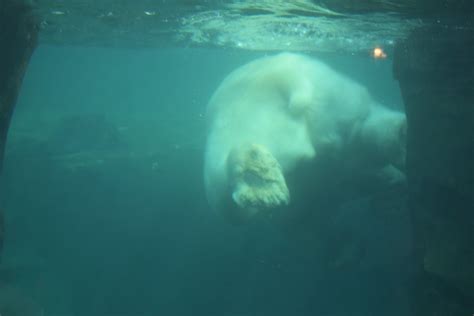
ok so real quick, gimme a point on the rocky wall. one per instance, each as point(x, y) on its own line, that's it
point(435, 70)
point(18, 38)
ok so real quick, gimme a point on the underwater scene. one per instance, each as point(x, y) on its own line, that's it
point(239, 158)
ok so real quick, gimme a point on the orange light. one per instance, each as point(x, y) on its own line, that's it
point(378, 53)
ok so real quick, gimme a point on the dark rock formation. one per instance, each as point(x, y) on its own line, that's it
point(2, 232)
point(88, 132)
point(18, 38)
point(435, 69)
point(14, 301)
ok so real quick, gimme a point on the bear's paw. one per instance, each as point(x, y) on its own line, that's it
point(257, 180)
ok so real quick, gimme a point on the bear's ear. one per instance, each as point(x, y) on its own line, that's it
point(391, 175)
point(299, 103)
point(301, 98)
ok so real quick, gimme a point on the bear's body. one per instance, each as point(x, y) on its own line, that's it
point(276, 111)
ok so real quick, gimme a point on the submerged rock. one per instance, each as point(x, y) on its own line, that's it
point(2, 232)
point(435, 70)
point(13, 302)
point(18, 37)
point(89, 132)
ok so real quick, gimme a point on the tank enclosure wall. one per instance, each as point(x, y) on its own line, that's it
point(18, 38)
point(435, 70)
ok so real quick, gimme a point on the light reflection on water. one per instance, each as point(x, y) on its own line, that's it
point(252, 25)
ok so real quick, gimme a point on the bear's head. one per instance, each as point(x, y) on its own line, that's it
point(384, 133)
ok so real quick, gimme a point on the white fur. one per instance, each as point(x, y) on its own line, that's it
point(294, 106)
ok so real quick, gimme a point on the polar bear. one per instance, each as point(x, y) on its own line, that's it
point(277, 111)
